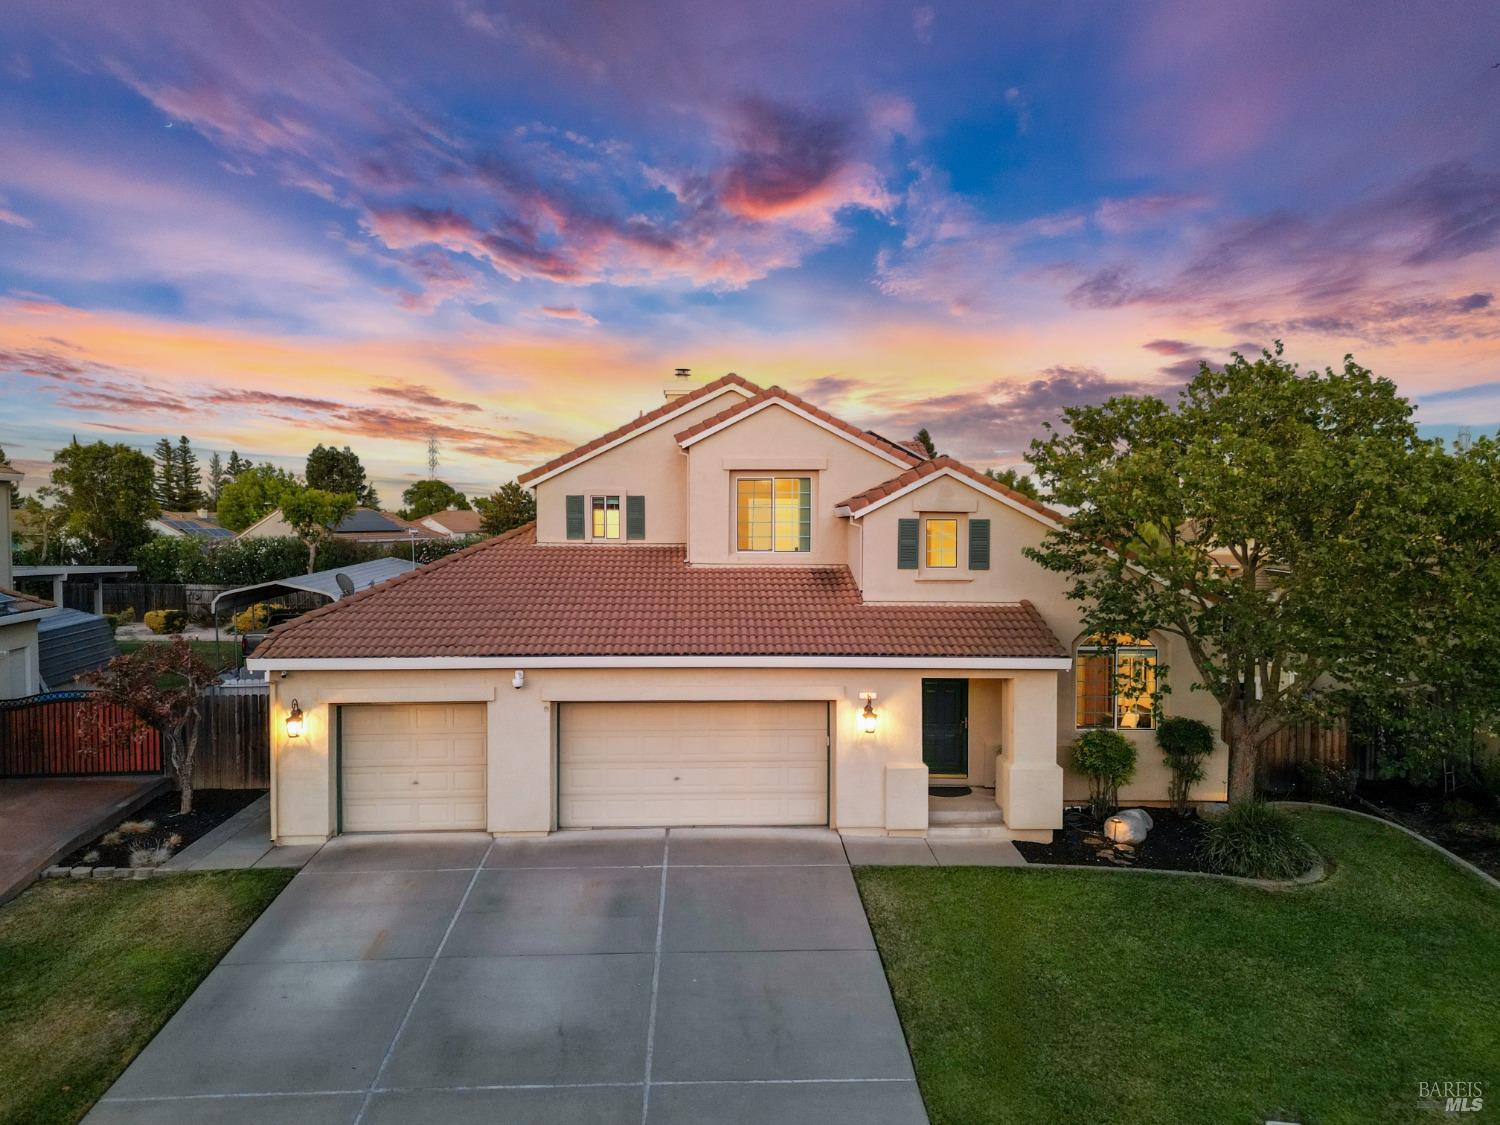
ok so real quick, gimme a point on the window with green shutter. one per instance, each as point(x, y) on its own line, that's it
point(635, 517)
point(908, 532)
point(575, 517)
point(979, 544)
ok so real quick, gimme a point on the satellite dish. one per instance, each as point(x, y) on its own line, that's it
point(346, 584)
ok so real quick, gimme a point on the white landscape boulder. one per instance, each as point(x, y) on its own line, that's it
point(1129, 826)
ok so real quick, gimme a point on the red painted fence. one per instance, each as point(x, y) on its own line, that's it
point(46, 736)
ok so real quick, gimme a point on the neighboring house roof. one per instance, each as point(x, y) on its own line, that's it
point(194, 525)
point(325, 582)
point(71, 643)
point(14, 604)
point(509, 596)
point(363, 525)
point(455, 521)
point(778, 396)
point(871, 498)
point(9, 471)
point(667, 410)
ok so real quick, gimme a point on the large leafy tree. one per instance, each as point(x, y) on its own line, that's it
point(1275, 521)
point(428, 496)
point(339, 470)
point(160, 686)
point(313, 514)
point(105, 494)
point(254, 492)
point(510, 506)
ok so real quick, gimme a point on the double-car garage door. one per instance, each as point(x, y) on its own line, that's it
point(421, 767)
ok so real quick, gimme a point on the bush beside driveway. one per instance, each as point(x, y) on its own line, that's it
point(1034, 996)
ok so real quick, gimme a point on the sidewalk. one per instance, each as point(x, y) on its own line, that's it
point(244, 840)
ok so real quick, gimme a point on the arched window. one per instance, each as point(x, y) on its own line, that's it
point(1113, 684)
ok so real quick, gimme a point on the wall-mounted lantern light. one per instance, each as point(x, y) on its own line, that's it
point(869, 719)
point(294, 721)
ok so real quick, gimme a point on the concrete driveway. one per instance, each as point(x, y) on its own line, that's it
point(609, 976)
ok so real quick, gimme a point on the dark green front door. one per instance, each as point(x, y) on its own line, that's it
point(945, 726)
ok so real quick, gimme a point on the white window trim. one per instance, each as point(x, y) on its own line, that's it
point(773, 478)
point(958, 525)
point(1114, 692)
point(589, 516)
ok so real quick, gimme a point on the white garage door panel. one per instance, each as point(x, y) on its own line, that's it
point(414, 767)
point(624, 764)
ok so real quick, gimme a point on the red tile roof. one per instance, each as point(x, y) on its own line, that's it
point(868, 437)
point(645, 419)
point(862, 500)
point(18, 602)
point(510, 596)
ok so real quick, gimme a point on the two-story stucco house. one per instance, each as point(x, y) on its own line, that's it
point(736, 609)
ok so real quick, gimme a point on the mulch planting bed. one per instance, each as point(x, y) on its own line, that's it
point(1171, 845)
point(159, 829)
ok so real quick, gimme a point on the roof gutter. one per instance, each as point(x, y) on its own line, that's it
point(423, 663)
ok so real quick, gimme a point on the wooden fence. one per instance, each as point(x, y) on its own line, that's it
point(234, 750)
point(50, 736)
point(1289, 749)
point(192, 598)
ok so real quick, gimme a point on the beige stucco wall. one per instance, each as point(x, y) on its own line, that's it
point(521, 725)
point(651, 464)
point(1013, 577)
point(19, 660)
point(775, 441)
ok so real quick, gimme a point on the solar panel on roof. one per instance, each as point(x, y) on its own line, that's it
point(367, 519)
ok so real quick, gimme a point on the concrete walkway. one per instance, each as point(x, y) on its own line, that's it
point(42, 819)
point(244, 840)
point(610, 976)
point(893, 851)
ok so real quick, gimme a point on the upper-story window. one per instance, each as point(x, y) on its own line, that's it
point(941, 542)
point(1113, 685)
point(773, 513)
point(605, 514)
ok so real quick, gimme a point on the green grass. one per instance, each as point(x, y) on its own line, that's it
point(1038, 996)
point(223, 654)
point(89, 970)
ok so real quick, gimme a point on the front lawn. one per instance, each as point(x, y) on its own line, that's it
point(1037, 996)
point(90, 969)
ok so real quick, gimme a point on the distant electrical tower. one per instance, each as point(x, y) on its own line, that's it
point(432, 458)
point(1464, 440)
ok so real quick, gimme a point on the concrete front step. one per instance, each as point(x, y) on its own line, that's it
point(991, 815)
point(936, 831)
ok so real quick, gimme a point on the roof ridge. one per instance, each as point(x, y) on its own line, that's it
point(777, 391)
point(877, 492)
point(726, 380)
point(389, 583)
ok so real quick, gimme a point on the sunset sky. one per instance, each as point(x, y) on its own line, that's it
point(267, 225)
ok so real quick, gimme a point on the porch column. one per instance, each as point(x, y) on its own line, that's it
point(99, 595)
point(1030, 786)
point(57, 589)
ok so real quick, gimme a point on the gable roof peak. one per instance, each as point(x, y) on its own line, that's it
point(891, 450)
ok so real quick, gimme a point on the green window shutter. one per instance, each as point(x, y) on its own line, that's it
point(979, 544)
point(635, 517)
point(907, 532)
point(575, 517)
point(804, 514)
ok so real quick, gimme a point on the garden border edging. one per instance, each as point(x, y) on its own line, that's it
point(1415, 835)
point(1313, 875)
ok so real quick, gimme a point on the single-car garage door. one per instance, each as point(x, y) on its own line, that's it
point(412, 766)
point(624, 764)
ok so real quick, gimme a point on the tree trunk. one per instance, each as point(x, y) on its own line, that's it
point(1242, 753)
point(312, 556)
point(185, 803)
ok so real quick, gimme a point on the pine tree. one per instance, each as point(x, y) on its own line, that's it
point(236, 466)
point(164, 483)
point(217, 478)
point(189, 496)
